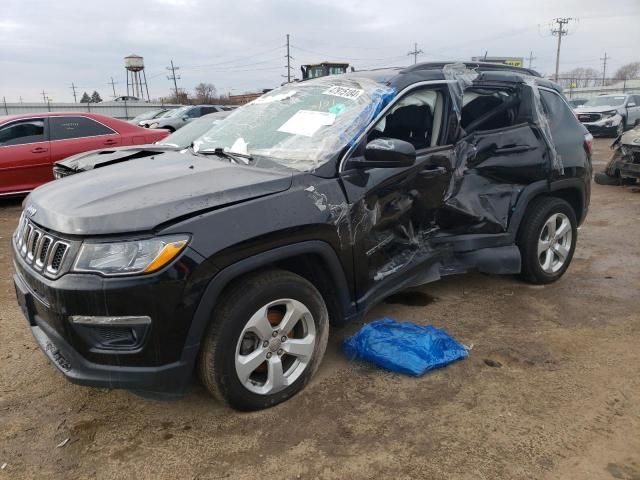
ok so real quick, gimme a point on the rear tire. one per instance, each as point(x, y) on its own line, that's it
point(601, 178)
point(547, 240)
point(266, 339)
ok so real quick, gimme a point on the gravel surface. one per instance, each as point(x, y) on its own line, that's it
point(551, 388)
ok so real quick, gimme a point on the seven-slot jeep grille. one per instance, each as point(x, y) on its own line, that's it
point(38, 248)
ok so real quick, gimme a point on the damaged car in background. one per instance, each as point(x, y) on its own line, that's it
point(179, 140)
point(303, 208)
point(610, 115)
point(624, 166)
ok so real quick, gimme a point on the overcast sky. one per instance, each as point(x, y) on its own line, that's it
point(239, 46)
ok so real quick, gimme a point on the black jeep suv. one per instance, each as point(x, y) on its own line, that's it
point(303, 208)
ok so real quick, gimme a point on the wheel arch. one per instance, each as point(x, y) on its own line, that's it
point(314, 260)
point(571, 190)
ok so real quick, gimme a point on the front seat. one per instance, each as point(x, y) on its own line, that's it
point(412, 123)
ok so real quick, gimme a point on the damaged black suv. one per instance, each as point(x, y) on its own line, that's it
point(303, 208)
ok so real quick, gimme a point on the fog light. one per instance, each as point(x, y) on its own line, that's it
point(112, 333)
point(128, 321)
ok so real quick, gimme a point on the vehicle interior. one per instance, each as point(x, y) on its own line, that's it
point(416, 119)
point(489, 109)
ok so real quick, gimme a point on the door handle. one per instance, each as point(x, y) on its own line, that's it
point(39, 150)
point(110, 142)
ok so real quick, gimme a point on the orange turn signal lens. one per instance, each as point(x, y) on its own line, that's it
point(168, 253)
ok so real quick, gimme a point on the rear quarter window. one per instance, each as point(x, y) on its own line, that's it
point(64, 128)
point(561, 119)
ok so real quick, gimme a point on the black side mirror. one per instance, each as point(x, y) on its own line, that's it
point(386, 153)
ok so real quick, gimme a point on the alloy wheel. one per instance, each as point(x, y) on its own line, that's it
point(554, 243)
point(275, 346)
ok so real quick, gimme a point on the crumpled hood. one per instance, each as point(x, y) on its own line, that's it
point(605, 108)
point(107, 156)
point(142, 193)
point(631, 137)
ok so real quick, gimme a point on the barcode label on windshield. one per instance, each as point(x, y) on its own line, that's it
point(344, 92)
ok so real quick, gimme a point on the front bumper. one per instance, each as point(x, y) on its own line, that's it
point(608, 130)
point(630, 169)
point(162, 364)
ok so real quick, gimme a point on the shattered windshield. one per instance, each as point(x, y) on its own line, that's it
point(605, 101)
point(300, 125)
point(183, 137)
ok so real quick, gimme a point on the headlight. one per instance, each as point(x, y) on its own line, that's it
point(610, 113)
point(131, 257)
point(154, 125)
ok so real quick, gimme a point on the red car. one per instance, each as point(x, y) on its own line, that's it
point(30, 144)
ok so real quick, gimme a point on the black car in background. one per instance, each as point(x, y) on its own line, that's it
point(304, 208)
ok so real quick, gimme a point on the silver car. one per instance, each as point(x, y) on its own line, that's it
point(174, 119)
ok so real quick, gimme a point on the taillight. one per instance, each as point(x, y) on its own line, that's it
point(588, 143)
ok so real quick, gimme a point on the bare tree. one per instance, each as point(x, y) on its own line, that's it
point(579, 77)
point(630, 70)
point(205, 92)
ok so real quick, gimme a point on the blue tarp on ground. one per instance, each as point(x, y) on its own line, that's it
point(404, 347)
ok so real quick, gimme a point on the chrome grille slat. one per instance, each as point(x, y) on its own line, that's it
point(40, 249)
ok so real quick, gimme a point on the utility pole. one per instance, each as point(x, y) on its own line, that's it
point(560, 32)
point(44, 96)
point(415, 53)
point(289, 58)
point(73, 88)
point(531, 59)
point(604, 67)
point(174, 77)
point(113, 86)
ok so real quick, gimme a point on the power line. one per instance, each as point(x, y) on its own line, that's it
point(73, 88)
point(173, 77)
point(604, 66)
point(415, 53)
point(560, 32)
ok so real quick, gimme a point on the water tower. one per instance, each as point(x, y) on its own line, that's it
point(136, 77)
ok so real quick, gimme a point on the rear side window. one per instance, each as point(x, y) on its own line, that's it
point(487, 109)
point(64, 128)
point(22, 131)
point(560, 116)
point(194, 112)
point(207, 110)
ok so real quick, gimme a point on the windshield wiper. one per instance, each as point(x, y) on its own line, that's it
point(239, 158)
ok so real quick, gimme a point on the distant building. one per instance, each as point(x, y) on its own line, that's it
point(513, 61)
point(244, 98)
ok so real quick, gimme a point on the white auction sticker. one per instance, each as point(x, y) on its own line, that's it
point(344, 92)
point(307, 122)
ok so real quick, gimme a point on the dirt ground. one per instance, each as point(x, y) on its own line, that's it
point(551, 388)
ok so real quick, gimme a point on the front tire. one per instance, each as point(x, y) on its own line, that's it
point(621, 127)
point(547, 240)
point(266, 339)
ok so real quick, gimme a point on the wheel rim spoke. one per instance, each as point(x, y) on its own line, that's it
point(548, 259)
point(565, 227)
point(301, 348)
point(295, 311)
point(562, 252)
point(275, 376)
point(543, 246)
point(551, 226)
point(259, 324)
point(247, 364)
